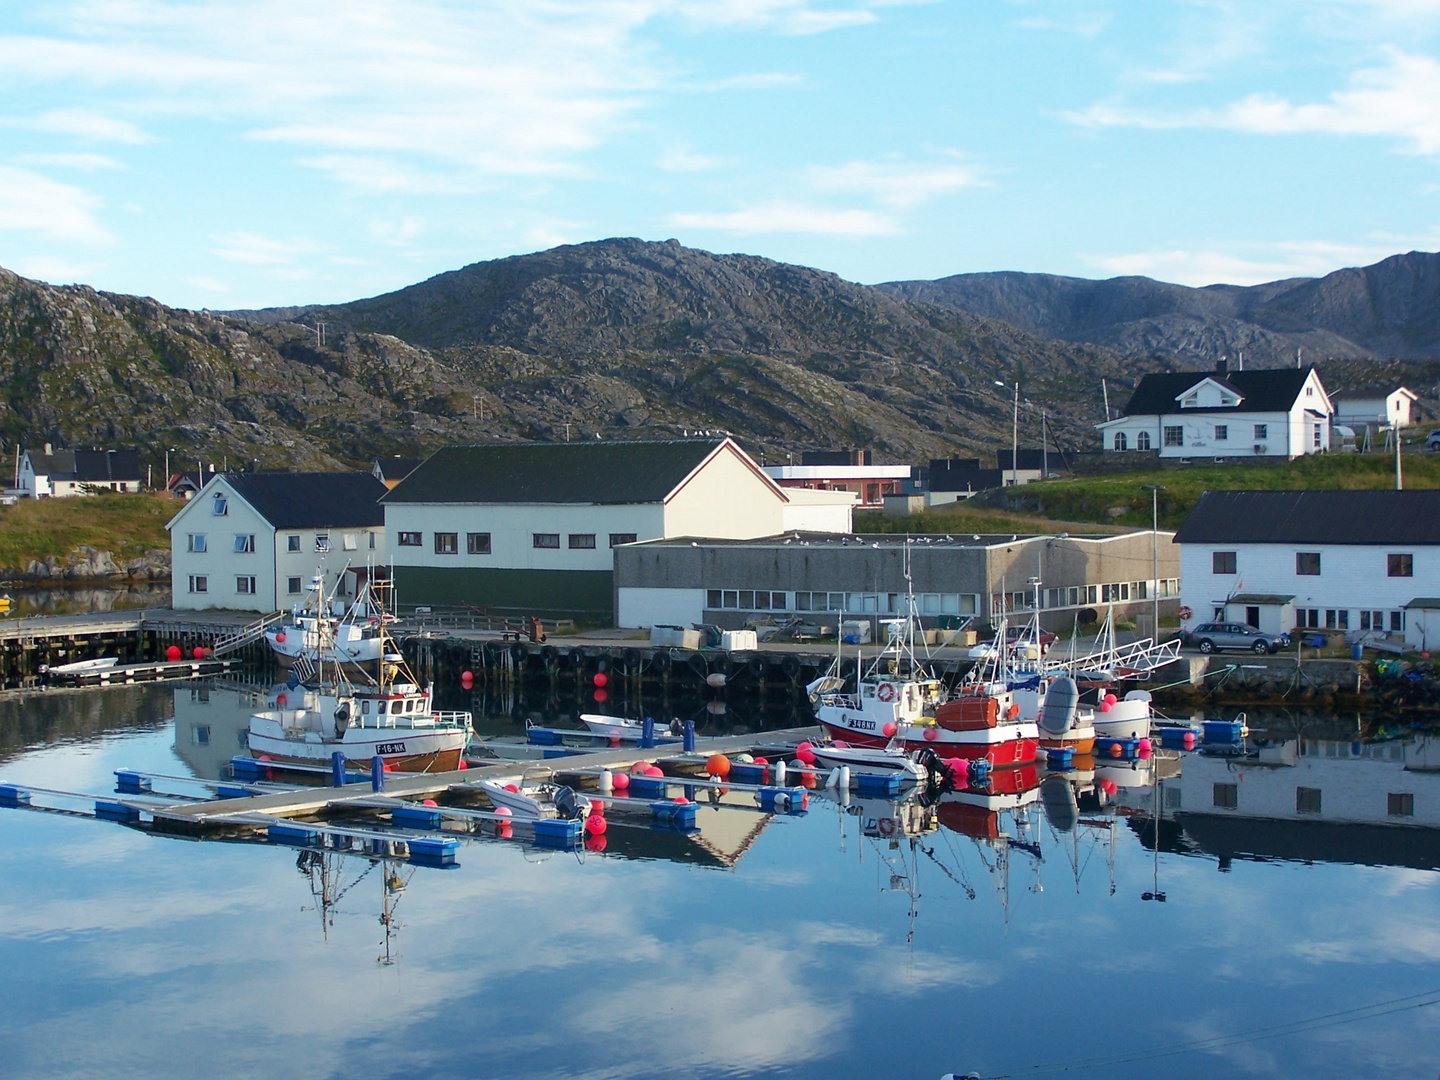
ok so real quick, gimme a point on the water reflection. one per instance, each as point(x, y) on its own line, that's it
point(86, 599)
point(990, 930)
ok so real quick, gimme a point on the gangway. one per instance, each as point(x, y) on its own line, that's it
point(246, 634)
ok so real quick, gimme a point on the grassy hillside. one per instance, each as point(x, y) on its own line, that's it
point(125, 525)
point(967, 518)
point(1120, 499)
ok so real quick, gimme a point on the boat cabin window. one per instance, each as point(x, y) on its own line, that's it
point(410, 706)
point(364, 707)
point(396, 706)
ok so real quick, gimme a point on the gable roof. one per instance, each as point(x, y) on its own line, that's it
point(395, 468)
point(601, 473)
point(1374, 393)
point(1262, 391)
point(88, 466)
point(1313, 517)
point(311, 500)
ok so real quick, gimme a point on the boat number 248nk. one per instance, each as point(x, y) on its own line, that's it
point(390, 748)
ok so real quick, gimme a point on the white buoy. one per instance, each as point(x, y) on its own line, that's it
point(833, 779)
point(606, 783)
point(844, 779)
point(779, 768)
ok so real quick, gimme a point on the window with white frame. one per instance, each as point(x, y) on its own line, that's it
point(199, 583)
point(244, 543)
point(198, 543)
point(292, 542)
point(1222, 432)
point(349, 541)
point(1262, 431)
point(221, 506)
point(1142, 440)
point(1174, 436)
point(245, 584)
point(1120, 441)
point(322, 542)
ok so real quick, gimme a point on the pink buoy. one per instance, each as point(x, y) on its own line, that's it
point(197, 653)
point(614, 740)
point(1110, 699)
point(681, 800)
point(640, 767)
point(601, 696)
point(931, 734)
point(280, 700)
point(280, 637)
point(463, 764)
point(1189, 740)
point(595, 825)
point(1109, 787)
point(428, 802)
point(806, 755)
point(760, 761)
point(840, 744)
point(504, 830)
point(653, 771)
point(172, 653)
point(595, 844)
point(503, 811)
point(620, 782)
point(1144, 746)
point(888, 730)
point(1105, 706)
point(512, 788)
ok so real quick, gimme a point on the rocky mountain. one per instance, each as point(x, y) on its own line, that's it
point(615, 339)
point(1390, 310)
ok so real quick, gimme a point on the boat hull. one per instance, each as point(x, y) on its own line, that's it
point(404, 750)
point(1007, 744)
point(437, 761)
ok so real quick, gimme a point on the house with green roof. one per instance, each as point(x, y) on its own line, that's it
point(532, 527)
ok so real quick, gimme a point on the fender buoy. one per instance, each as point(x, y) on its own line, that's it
point(886, 826)
point(886, 692)
point(1185, 612)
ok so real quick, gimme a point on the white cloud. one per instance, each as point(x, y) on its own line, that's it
point(378, 174)
point(1400, 99)
point(51, 269)
point(86, 125)
point(32, 202)
point(791, 218)
point(681, 159)
point(899, 185)
point(256, 250)
point(1249, 266)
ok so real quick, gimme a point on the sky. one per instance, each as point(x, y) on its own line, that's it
point(238, 153)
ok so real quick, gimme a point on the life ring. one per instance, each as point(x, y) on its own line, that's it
point(886, 692)
point(1185, 612)
point(886, 826)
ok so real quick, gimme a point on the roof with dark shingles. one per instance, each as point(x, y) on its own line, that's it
point(1272, 390)
point(1313, 517)
point(396, 468)
point(603, 473)
point(312, 500)
point(88, 466)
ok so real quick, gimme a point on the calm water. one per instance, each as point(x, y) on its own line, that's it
point(766, 946)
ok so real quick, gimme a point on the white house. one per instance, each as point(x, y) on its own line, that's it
point(1374, 408)
point(1338, 560)
point(254, 541)
point(61, 474)
point(532, 526)
point(1278, 413)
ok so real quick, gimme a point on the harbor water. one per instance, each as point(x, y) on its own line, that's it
point(1148, 933)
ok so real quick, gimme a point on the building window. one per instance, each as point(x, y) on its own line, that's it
point(371, 534)
point(477, 543)
point(1400, 565)
point(1222, 432)
point(349, 542)
point(616, 539)
point(1307, 563)
point(1222, 562)
point(221, 506)
point(1307, 618)
point(292, 542)
point(582, 541)
point(1316, 437)
point(244, 544)
point(1307, 800)
point(1372, 620)
point(1400, 804)
point(408, 539)
point(1174, 436)
point(198, 543)
point(245, 584)
point(1262, 431)
point(1337, 619)
point(447, 543)
point(292, 586)
point(1120, 441)
point(199, 583)
point(713, 598)
point(1142, 440)
point(545, 540)
point(1397, 622)
point(1227, 796)
point(322, 541)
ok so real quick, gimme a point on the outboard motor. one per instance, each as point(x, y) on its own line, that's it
point(1057, 796)
point(566, 804)
point(1062, 700)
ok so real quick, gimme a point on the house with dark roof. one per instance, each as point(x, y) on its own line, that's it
point(1277, 413)
point(532, 527)
point(1362, 562)
point(253, 541)
point(60, 474)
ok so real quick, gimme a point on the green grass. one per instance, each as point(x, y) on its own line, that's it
point(965, 518)
point(1120, 499)
point(125, 525)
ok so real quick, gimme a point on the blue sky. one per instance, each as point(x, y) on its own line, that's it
point(228, 153)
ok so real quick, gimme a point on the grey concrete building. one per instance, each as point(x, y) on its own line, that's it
point(687, 580)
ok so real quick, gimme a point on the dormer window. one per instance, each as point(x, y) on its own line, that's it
point(1191, 401)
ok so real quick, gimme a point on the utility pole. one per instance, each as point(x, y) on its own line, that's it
point(1015, 440)
point(1399, 479)
point(1155, 555)
point(1044, 447)
point(1105, 389)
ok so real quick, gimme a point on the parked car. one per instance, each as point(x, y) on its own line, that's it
point(1213, 637)
point(1432, 441)
point(1015, 635)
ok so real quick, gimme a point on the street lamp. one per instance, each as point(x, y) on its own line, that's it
point(1155, 490)
point(168, 451)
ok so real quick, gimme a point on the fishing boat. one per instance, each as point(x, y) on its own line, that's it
point(899, 702)
point(529, 798)
point(385, 714)
point(322, 630)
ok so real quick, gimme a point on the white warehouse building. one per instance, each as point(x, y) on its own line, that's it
point(254, 541)
point(1357, 561)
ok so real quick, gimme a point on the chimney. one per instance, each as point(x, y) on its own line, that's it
point(1221, 367)
point(48, 450)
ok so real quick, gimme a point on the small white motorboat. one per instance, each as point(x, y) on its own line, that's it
point(534, 799)
point(80, 667)
point(612, 726)
point(869, 759)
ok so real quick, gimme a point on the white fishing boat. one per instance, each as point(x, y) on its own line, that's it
point(80, 667)
point(322, 630)
point(387, 715)
point(529, 798)
point(612, 726)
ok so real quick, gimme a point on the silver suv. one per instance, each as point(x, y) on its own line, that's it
point(1212, 637)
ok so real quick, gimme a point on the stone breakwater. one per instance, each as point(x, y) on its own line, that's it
point(1387, 682)
point(88, 564)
